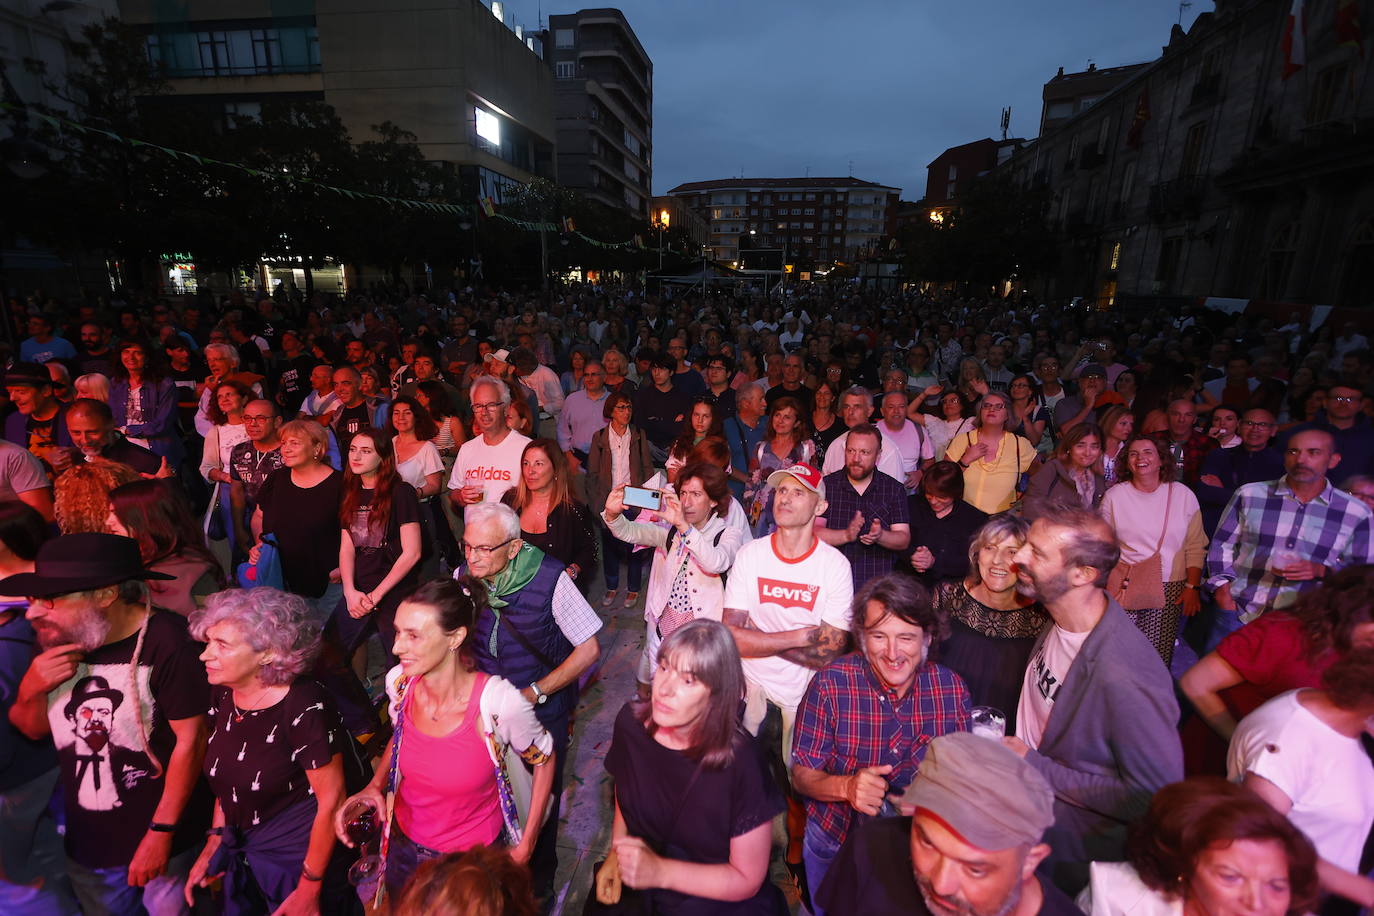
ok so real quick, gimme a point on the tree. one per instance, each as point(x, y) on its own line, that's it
point(997, 231)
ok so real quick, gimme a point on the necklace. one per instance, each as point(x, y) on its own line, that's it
point(240, 713)
point(436, 709)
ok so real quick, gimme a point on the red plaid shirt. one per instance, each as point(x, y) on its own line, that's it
point(848, 721)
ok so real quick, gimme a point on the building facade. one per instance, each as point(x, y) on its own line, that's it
point(603, 95)
point(472, 90)
point(820, 220)
point(951, 172)
point(1221, 169)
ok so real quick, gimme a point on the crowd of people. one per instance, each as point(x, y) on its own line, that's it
point(949, 606)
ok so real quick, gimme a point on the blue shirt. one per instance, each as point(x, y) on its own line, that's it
point(21, 760)
point(580, 419)
point(31, 351)
point(743, 444)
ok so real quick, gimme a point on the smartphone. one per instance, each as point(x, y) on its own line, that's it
point(642, 498)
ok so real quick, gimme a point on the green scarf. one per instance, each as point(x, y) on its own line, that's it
point(515, 576)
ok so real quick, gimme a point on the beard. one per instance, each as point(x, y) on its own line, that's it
point(963, 907)
point(87, 631)
point(1045, 590)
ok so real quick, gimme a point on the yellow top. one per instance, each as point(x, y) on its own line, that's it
point(990, 483)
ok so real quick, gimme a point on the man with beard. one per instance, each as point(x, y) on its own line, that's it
point(1097, 716)
point(970, 847)
point(119, 690)
point(867, 517)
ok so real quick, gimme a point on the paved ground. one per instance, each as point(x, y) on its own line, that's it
point(585, 828)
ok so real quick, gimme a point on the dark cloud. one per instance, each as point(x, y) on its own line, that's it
point(773, 88)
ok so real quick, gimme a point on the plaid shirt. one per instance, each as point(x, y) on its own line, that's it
point(884, 499)
point(848, 721)
point(1334, 529)
point(1187, 456)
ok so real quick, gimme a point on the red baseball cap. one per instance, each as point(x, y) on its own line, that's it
point(805, 474)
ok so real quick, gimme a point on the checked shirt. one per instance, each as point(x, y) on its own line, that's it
point(848, 720)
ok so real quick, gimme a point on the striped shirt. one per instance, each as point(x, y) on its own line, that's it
point(1264, 520)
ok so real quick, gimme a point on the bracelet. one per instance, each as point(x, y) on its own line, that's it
point(155, 827)
point(215, 831)
point(1189, 585)
point(305, 873)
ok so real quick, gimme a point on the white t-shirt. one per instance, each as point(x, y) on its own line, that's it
point(1045, 675)
point(889, 459)
point(787, 595)
point(1327, 775)
point(496, 468)
point(420, 465)
point(910, 443)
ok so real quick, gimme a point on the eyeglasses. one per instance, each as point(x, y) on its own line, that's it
point(1258, 424)
point(483, 552)
point(256, 418)
point(494, 405)
point(51, 600)
point(1344, 399)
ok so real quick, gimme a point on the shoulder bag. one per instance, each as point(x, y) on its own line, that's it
point(1140, 586)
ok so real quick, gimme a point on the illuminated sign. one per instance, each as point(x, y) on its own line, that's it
point(488, 127)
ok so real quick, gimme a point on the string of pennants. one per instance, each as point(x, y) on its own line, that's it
point(486, 205)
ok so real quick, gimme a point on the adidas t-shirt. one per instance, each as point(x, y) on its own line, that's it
point(496, 468)
point(786, 595)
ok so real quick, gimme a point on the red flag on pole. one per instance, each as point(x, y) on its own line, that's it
point(1348, 31)
point(1142, 117)
point(1294, 40)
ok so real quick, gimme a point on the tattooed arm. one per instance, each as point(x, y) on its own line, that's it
point(754, 643)
point(824, 644)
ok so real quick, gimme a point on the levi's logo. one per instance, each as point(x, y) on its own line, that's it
point(792, 594)
point(488, 474)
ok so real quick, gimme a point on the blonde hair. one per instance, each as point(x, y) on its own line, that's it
point(97, 386)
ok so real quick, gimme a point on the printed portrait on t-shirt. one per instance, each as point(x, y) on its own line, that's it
point(97, 737)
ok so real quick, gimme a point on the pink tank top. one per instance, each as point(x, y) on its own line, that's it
point(448, 799)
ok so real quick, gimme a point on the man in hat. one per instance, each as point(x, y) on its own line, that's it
point(969, 847)
point(39, 423)
point(120, 691)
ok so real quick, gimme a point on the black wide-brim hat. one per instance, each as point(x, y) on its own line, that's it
point(79, 563)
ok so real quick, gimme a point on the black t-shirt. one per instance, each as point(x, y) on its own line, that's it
point(872, 874)
point(135, 456)
point(306, 524)
point(110, 786)
point(256, 761)
point(293, 382)
point(696, 824)
point(251, 466)
point(377, 550)
point(803, 395)
point(41, 434)
point(347, 425)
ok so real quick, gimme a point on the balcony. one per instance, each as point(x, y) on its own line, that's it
point(1179, 197)
point(1091, 158)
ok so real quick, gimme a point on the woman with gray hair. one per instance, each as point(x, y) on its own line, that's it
point(992, 456)
point(275, 759)
point(223, 361)
point(992, 626)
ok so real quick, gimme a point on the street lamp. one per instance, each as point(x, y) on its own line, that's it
point(663, 221)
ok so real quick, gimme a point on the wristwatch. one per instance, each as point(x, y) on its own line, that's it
point(540, 697)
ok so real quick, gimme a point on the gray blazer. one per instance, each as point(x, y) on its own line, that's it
point(1111, 742)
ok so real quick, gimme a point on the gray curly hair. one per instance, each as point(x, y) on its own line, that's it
point(269, 620)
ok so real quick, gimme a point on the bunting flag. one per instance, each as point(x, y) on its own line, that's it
point(1348, 31)
point(1142, 117)
point(485, 204)
point(1294, 44)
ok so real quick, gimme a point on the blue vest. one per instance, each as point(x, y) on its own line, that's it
point(531, 612)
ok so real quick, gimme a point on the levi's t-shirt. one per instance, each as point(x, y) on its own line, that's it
point(782, 594)
point(495, 468)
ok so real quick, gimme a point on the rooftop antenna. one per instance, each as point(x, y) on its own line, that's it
point(1006, 121)
point(851, 168)
point(808, 171)
point(1183, 8)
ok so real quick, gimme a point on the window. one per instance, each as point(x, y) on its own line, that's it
point(809, 226)
point(1278, 263)
point(784, 197)
point(565, 69)
point(1191, 162)
point(1103, 133)
point(1327, 90)
point(809, 211)
point(1166, 272)
point(1114, 262)
point(1127, 182)
point(564, 38)
point(1056, 110)
point(811, 197)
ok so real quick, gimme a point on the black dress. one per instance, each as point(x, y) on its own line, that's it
point(947, 538)
point(570, 536)
point(988, 648)
point(696, 824)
